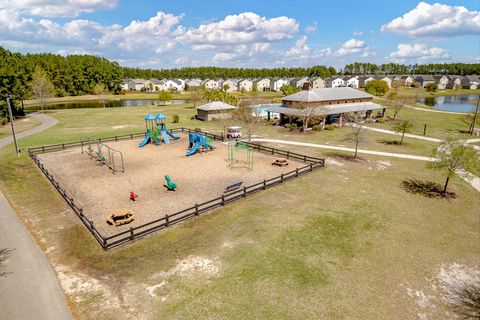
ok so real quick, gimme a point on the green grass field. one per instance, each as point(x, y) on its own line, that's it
point(345, 242)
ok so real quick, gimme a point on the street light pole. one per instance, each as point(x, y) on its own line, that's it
point(13, 126)
point(475, 116)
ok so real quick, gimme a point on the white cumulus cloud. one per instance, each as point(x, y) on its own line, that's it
point(57, 8)
point(436, 20)
point(353, 46)
point(418, 52)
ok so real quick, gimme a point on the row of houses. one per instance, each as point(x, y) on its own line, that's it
point(276, 84)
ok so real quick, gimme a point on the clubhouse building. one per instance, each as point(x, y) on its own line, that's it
point(327, 105)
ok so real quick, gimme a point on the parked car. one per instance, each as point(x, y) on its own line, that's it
point(234, 132)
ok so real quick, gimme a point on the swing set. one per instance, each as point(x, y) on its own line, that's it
point(106, 155)
point(240, 152)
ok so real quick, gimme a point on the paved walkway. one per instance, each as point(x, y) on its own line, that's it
point(47, 122)
point(32, 290)
point(408, 135)
point(327, 146)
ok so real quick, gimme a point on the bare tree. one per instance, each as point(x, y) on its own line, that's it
point(249, 115)
point(196, 94)
point(4, 254)
point(357, 133)
point(42, 87)
point(101, 92)
point(307, 114)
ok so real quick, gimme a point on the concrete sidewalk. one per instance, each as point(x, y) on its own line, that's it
point(31, 291)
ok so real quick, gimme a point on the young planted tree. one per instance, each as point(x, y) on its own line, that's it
point(307, 114)
point(164, 96)
point(396, 102)
point(42, 87)
point(404, 126)
point(357, 134)
point(101, 92)
point(453, 155)
point(472, 118)
point(196, 95)
point(248, 114)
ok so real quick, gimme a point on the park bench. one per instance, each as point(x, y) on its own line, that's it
point(233, 186)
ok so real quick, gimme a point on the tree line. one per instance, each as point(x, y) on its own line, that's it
point(461, 69)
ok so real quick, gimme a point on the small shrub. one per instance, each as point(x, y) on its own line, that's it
point(380, 120)
point(287, 125)
point(198, 130)
point(317, 127)
point(3, 121)
point(176, 118)
point(330, 127)
point(300, 128)
point(193, 117)
point(293, 127)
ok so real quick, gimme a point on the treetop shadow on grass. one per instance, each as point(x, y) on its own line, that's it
point(391, 142)
point(427, 189)
point(347, 157)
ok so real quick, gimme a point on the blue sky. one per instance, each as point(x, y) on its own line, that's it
point(260, 33)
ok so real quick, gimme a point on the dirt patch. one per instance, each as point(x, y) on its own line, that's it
point(199, 178)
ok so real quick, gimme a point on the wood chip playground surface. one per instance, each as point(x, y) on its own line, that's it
point(199, 178)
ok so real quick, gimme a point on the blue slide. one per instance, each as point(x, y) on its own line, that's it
point(165, 137)
point(145, 141)
point(193, 150)
point(172, 135)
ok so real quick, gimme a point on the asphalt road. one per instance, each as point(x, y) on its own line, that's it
point(31, 291)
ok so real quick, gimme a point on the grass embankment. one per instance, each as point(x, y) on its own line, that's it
point(21, 124)
point(342, 242)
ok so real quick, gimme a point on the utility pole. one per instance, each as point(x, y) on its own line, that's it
point(475, 116)
point(9, 98)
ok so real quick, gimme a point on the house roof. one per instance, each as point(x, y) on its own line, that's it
point(327, 94)
point(329, 109)
point(216, 105)
point(138, 81)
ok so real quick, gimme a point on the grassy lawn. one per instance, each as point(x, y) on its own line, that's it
point(21, 124)
point(439, 125)
point(345, 242)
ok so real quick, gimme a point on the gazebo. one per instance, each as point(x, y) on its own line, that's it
point(215, 110)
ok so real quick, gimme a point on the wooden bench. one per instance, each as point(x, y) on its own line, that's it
point(233, 186)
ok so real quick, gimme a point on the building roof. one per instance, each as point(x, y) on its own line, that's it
point(329, 109)
point(138, 81)
point(216, 105)
point(327, 94)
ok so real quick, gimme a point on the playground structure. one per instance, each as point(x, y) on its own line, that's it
point(108, 157)
point(197, 142)
point(157, 131)
point(238, 147)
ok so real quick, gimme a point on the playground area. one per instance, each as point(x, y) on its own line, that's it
point(199, 177)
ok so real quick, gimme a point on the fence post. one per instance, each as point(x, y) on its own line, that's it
point(296, 172)
point(281, 178)
point(91, 225)
point(196, 209)
point(311, 167)
point(63, 146)
point(131, 136)
point(288, 154)
point(273, 151)
point(43, 149)
point(131, 233)
point(166, 220)
point(244, 192)
point(264, 184)
point(104, 240)
point(116, 138)
point(304, 158)
point(424, 129)
point(223, 200)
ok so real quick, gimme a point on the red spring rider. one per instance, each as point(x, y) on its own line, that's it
point(133, 196)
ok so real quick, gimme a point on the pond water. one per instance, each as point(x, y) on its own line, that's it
point(458, 103)
point(108, 104)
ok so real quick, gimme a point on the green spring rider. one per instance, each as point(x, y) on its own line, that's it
point(171, 186)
